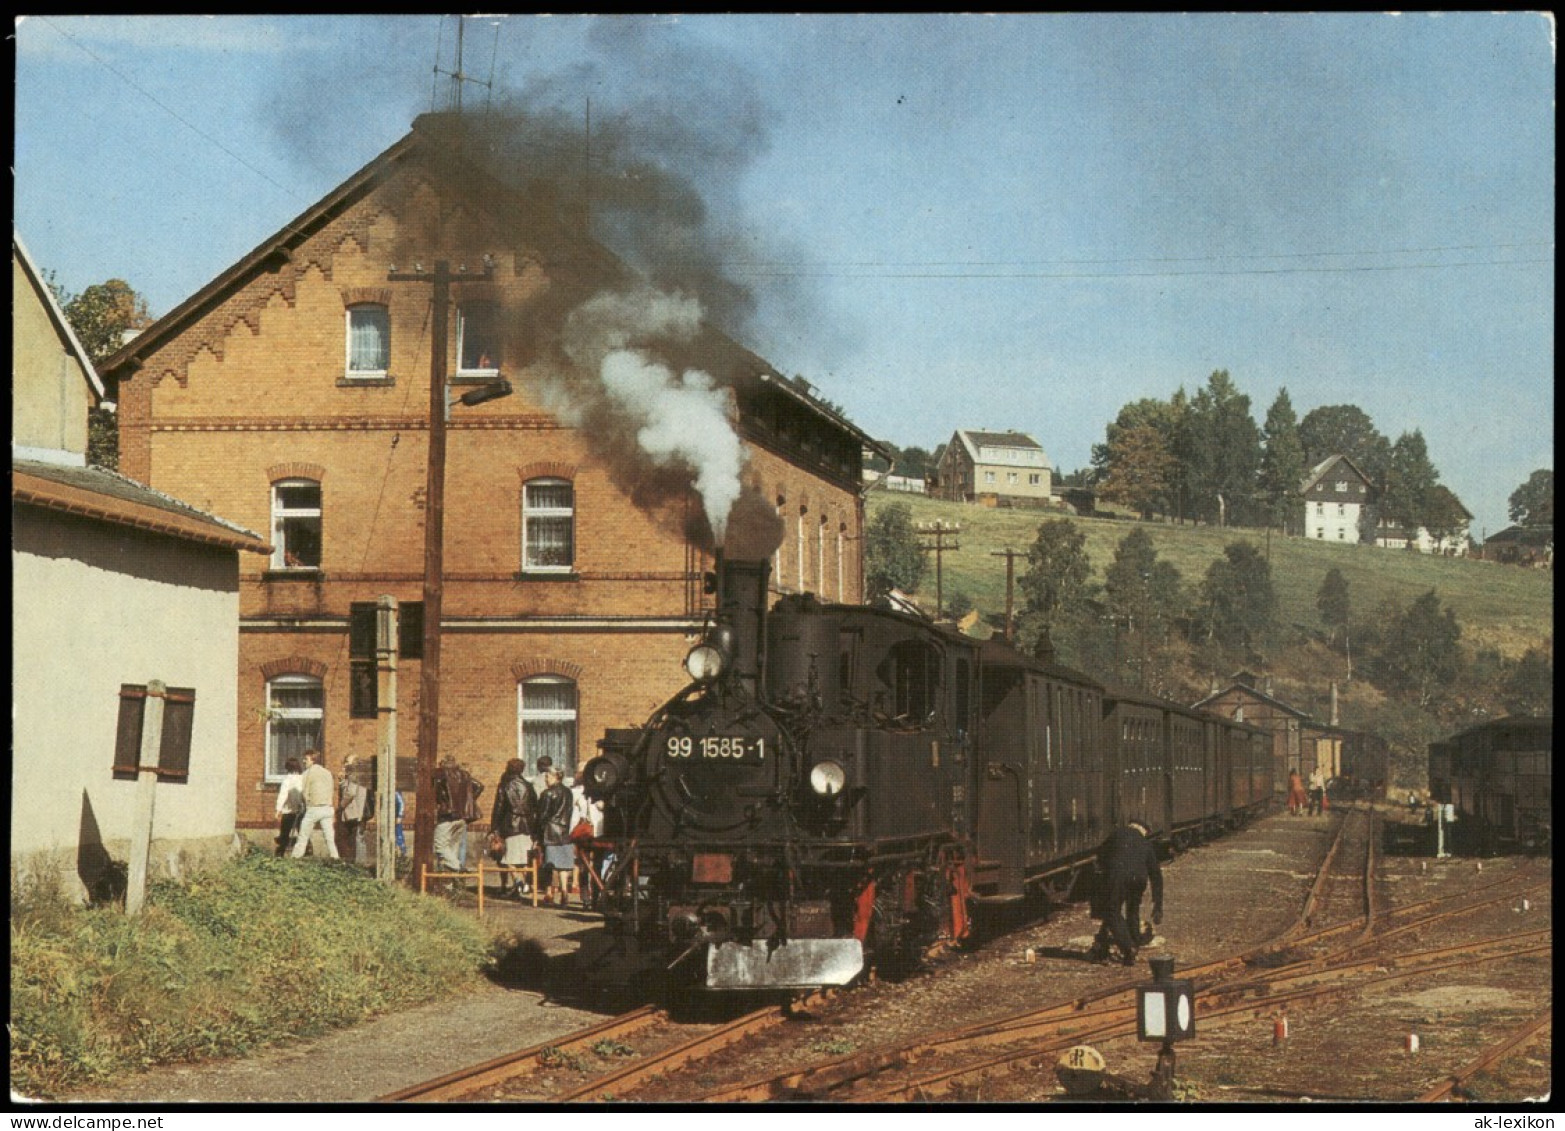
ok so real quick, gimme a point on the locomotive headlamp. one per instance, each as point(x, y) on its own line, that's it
point(705, 663)
point(828, 779)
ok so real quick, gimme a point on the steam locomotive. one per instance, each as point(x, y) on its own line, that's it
point(839, 787)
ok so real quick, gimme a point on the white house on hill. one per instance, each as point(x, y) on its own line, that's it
point(995, 467)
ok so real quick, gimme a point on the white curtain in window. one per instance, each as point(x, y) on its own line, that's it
point(548, 722)
point(293, 721)
point(369, 339)
point(548, 520)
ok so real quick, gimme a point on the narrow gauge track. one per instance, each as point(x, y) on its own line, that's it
point(466, 1081)
point(1100, 1015)
point(1113, 1006)
point(1454, 1086)
point(1118, 1022)
point(494, 1075)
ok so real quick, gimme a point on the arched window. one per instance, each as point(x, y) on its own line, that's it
point(546, 722)
point(548, 526)
point(295, 712)
point(369, 340)
point(296, 524)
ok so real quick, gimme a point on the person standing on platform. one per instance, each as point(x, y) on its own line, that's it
point(319, 798)
point(512, 819)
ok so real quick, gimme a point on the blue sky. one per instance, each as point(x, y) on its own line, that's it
point(1001, 222)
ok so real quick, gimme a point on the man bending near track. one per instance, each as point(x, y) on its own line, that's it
point(1127, 860)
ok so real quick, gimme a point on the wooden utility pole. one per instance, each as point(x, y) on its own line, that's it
point(939, 531)
point(434, 543)
point(1010, 557)
point(434, 565)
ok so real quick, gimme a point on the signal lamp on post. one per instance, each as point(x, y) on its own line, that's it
point(1165, 1011)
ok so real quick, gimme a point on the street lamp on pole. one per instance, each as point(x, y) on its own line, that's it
point(434, 548)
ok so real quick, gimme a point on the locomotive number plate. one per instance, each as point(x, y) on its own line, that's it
point(716, 747)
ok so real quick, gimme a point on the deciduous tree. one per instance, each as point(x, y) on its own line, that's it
point(1143, 598)
point(100, 317)
point(1347, 430)
point(1532, 504)
point(893, 558)
point(1140, 470)
point(1334, 602)
point(1224, 450)
point(1055, 584)
point(1420, 653)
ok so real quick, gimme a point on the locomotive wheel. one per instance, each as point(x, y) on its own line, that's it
point(893, 954)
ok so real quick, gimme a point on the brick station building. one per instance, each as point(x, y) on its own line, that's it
point(292, 394)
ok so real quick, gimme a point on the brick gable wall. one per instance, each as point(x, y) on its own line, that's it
point(255, 390)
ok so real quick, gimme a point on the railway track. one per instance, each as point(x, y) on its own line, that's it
point(1454, 1087)
point(1109, 1014)
point(1336, 947)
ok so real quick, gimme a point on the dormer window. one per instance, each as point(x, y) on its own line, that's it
point(478, 340)
point(369, 340)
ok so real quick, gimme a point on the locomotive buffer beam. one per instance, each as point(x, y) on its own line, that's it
point(792, 965)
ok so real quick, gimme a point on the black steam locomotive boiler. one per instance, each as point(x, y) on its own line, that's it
point(800, 805)
point(839, 786)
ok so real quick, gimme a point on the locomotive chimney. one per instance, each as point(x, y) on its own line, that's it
point(741, 604)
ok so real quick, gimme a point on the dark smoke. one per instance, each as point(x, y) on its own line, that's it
point(629, 362)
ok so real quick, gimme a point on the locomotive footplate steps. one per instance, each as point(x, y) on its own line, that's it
point(795, 964)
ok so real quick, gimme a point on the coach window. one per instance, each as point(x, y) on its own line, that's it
point(296, 524)
point(369, 340)
point(548, 526)
point(296, 707)
point(546, 722)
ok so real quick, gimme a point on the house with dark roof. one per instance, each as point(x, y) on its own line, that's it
point(1338, 501)
point(997, 468)
point(298, 391)
point(114, 585)
point(1521, 545)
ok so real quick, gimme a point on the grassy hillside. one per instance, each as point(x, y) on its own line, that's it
point(1502, 607)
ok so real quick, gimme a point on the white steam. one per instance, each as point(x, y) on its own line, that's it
point(678, 418)
point(683, 418)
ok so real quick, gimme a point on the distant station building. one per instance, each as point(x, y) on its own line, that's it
point(1299, 742)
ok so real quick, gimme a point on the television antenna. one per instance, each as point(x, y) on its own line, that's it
point(457, 75)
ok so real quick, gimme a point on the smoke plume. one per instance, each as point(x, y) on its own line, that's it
point(680, 418)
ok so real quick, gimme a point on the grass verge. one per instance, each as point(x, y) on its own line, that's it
point(222, 964)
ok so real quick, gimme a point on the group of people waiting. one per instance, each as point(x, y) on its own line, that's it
point(527, 822)
point(1313, 802)
point(539, 818)
point(309, 798)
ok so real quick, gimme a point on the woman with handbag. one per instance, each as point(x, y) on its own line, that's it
point(511, 822)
